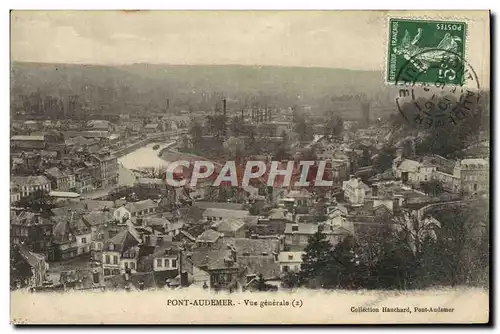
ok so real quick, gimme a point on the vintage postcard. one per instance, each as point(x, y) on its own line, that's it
point(250, 167)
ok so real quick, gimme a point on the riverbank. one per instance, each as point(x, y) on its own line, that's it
point(151, 138)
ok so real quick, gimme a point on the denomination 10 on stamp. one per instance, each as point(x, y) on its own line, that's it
point(422, 47)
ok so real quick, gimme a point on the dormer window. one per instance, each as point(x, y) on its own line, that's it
point(295, 228)
point(111, 247)
point(290, 257)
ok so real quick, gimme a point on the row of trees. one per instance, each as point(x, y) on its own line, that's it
point(408, 253)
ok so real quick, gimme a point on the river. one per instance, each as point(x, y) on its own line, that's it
point(141, 158)
point(144, 157)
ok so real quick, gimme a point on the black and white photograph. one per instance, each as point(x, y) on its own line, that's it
point(249, 167)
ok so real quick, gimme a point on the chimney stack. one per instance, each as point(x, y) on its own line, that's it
point(224, 106)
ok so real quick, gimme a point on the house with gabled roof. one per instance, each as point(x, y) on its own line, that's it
point(33, 231)
point(209, 239)
point(35, 262)
point(290, 261)
point(142, 208)
point(220, 265)
point(29, 184)
point(216, 214)
point(71, 235)
point(120, 253)
point(355, 191)
point(231, 227)
point(297, 234)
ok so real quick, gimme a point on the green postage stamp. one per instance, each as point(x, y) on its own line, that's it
point(426, 52)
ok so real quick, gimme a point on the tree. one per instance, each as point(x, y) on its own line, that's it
point(20, 270)
point(464, 242)
point(234, 146)
point(261, 283)
point(342, 268)
point(216, 125)
point(407, 148)
point(185, 142)
point(334, 126)
point(414, 229)
point(282, 151)
point(384, 159)
point(195, 132)
point(395, 268)
point(290, 280)
point(37, 201)
point(315, 258)
point(237, 126)
point(432, 187)
point(302, 129)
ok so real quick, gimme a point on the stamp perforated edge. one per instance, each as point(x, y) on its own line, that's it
point(437, 17)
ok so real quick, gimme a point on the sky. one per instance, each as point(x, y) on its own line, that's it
point(348, 39)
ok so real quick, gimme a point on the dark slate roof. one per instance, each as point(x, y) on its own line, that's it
point(208, 236)
point(212, 259)
point(32, 180)
point(254, 246)
point(136, 281)
point(98, 217)
point(69, 225)
point(229, 225)
point(141, 205)
point(166, 247)
point(123, 241)
point(256, 265)
point(218, 205)
point(83, 277)
point(26, 218)
point(32, 258)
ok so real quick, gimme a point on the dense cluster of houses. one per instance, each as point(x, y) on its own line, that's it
point(169, 238)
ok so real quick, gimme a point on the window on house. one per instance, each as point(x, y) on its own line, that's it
point(96, 277)
point(167, 263)
point(115, 259)
point(286, 268)
point(132, 265)
point(84, 240)
point(159, 263)
point(107, 272)
point(174, 263)
point(290, 257)
point(99, 246)
point(107, 259)
point(116, 271)
point(126, 265)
